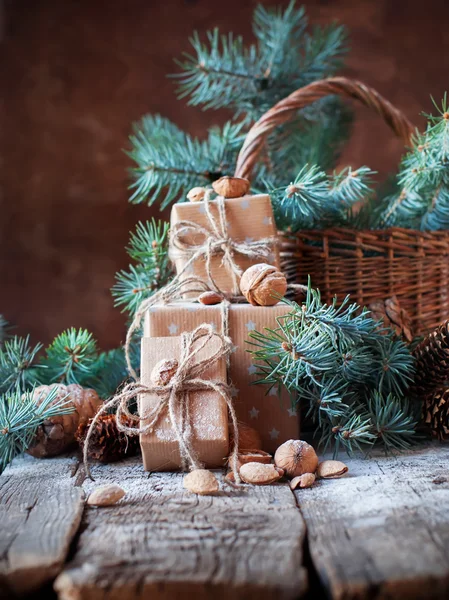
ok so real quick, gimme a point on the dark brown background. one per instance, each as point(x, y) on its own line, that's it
point(77, 74)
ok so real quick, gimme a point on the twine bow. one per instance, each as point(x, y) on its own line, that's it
point(175, 398)
point(216, 241)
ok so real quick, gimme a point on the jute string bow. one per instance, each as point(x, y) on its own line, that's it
point(174, 398)
point(216, 241)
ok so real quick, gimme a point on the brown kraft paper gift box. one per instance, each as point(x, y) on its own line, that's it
point(208, 410)
point(273, 417)
point(249, 218)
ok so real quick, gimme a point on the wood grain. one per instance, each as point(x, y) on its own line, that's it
point(40, 512)
point(164, 542)
point(383, 531)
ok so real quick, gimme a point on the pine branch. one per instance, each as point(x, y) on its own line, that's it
point(70, 357)
point(20, 416)
point(3, 329)
point(170, 162)
point(149, 247)
point(335, 357)
point(18, 368)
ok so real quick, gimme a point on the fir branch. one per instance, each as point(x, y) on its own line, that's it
point(170, 162)
point(3, 329)
point(393, 421)
point(70, 357)
point(20, 416)
point(149, 247)
point(18, 368)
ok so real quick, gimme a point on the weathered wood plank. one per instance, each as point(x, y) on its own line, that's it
point(40, 512)
point(383, 531)
point(163, 542)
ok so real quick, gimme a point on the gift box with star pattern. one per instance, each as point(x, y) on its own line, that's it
point(248, 219)
point(272, 416)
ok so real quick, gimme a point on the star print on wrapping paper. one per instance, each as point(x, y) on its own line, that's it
point(250, 326)
point(292, 412)
point(234, 391)
point(202, 208)
point(234, 349)
point(254, 413)
point(273, 391)
point(248, 240)
point(214, 327)
point(244, 204)
point(252, 369)
point(173, 329)
point(267, 221)
point(274, 433)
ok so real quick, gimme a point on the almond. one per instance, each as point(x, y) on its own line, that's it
point(106, 495)
point(210, 298)
point(201, 481)
point(305, 480)
point(260, 474)
point(329, 469)
point(231, 187)
point(196, 194)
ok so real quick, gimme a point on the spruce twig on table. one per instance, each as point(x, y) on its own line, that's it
point(19, 369)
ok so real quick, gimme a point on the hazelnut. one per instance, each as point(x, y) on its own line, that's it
point(260, 474)
point(296, 457)
point(305, 480)
point(259, 456)
point(163, 371)
point(201, 481)
point(106, 495)
point(329, 469)
point(263, 285)
point(231, 187)
point(210, 298)
point(196, 194)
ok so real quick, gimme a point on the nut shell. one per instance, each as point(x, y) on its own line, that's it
point(330, 469)
point(164, 371)
point(260, 474)
point(305, 480)
point(296, 457)
point(201, 482)
point(247, 456)
point(231, 187)
point(263, 285)
point(249, 438)
point(57, 434)
point(106, 495)
point(196, 194)
point(210, 298)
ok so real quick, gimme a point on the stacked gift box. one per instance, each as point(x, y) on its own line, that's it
point(269, 411)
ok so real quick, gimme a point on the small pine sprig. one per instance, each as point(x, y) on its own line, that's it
point(170, 162)
point(422, 198)
point(70, 358)
point(335, 357)
point(19, 369)
point(314, 200)
point(3, 329)
point(149, 248)
point(20, 416)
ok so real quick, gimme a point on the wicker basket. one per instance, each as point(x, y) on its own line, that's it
point(368, 265)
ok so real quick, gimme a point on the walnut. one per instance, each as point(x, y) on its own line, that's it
point(305, 480)
point(329, 469)
point(106, 495)
point(260, 474)
point(164, 371)
point(296, 457)
point(201, 481)
point(57, 434)
point(231, 187)
point(210, 298)
point(196, 194)
point(263, 285)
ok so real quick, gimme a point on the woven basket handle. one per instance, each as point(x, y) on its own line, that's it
point(286, 108)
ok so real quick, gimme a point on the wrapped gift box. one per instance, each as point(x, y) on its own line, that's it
point(273, 416)
point(208, 411)
point(249, 218)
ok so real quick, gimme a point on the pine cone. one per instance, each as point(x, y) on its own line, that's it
point(389, 311)
point(108, 444)
point(58, 433)
point(432, 361)
point(436, 413)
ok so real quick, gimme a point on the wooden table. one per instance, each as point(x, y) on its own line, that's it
point(380, 532)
